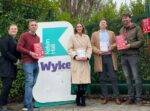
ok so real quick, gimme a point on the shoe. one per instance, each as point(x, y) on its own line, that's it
point(83, 101)
point(117, 101)
point(24, 109)
point(78, 100)
point(104, 101)
point(129, 102)
point(27, 109)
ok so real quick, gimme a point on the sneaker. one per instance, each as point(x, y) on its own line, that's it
point(27, 109)
point(24, 109)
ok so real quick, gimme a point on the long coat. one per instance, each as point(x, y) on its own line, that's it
point(96, 49)
point(8, 57)
point(80, 70)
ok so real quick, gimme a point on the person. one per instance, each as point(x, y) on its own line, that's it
point(105, 62)
point(130, 58)
point(9, 59)
point(30, 62)
point(79, 48)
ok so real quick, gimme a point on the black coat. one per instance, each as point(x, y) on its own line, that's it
point(8, 57)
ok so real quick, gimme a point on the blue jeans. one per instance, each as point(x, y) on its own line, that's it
point(131, 69)
point(108, 70)
point(31, 71)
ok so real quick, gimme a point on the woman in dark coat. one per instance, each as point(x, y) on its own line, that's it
point(9, 59)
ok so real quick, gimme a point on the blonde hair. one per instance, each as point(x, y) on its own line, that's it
point(12, 24)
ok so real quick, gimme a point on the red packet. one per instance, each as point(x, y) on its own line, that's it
point(38, 49)
point(121, 42)
point(146, 25)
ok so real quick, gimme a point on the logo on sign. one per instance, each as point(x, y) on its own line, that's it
point(52, 46)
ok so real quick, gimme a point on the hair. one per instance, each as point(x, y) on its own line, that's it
point(32, 20)
point(126, 15)
point(12, 24)
point(102, 19)
point(83, 31)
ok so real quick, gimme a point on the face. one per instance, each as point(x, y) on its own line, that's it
point(33, 26)
point(13, 29)
point(79, 28)
point(126, 20)
point(103, 24)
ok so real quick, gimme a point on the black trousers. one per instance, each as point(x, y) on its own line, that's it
point(6, 85)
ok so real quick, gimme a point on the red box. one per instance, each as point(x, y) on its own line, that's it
point(146, 25)
point(38, 49)
point(120, 42)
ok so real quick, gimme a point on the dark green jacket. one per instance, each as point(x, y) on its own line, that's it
point(134, 38)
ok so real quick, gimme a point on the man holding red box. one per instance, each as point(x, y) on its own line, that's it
point(130, 58)
point(30, 62)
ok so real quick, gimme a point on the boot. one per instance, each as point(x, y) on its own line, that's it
point(78, 99)
point(83, 98)
point(83, 101)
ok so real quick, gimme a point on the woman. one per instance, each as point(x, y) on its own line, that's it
point(9, 59)
point(80, 50)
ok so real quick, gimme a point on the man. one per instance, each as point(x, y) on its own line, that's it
point(9, 59)
point(103, 45)
point(30, 62)
point(130, 58)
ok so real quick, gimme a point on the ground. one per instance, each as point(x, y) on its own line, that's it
point(92, 105)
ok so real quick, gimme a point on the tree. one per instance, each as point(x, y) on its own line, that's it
point(124, 8)
point(80, 9)
point(137, 7)
point(108, 11)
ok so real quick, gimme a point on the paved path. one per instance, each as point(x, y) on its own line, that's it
point(92, 105)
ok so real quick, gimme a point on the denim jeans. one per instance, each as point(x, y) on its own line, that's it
point(108, 70)
point(131, 69)
point(31, 71)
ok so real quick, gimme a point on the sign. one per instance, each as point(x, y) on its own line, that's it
point(38, 49)
point(146, 25)
point(120, 42)
point(54, 80)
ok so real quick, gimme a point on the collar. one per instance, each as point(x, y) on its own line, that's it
point(34, 34)
point(102, 30)
point(131, 25)
point(11, 36)
point(77, 35)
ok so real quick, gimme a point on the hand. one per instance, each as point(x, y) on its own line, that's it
point(145, 32)
point(110, 48)
point(104, 53)
point(128, 46)
point(17, 63)
point(81, 58)
point(100, 53)
point(34, 55)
